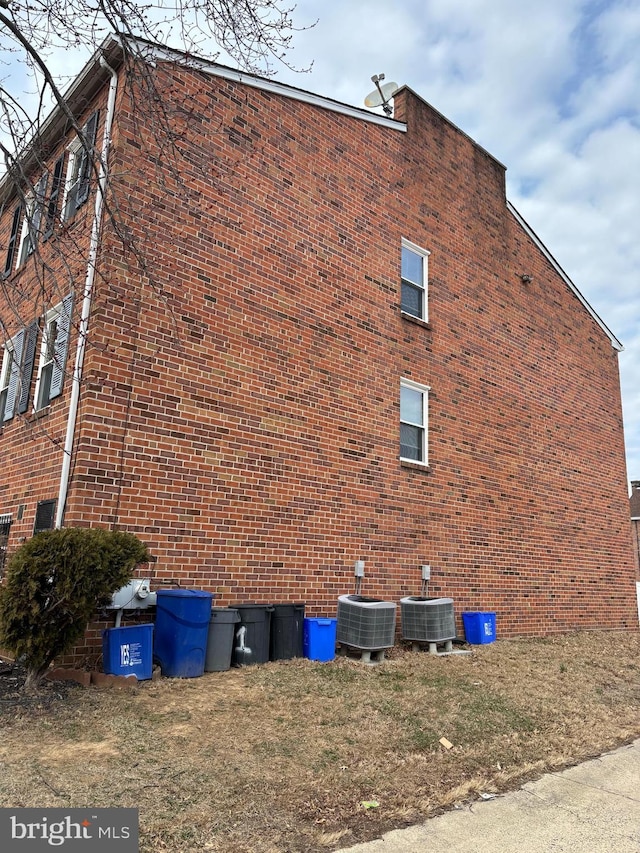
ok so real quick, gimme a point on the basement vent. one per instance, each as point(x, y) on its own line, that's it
point(427, 620)
point(366, 623)
point(45, 515)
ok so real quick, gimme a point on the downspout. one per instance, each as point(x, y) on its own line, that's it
point(83, 328)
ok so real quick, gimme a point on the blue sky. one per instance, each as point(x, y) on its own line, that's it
point(551, 89)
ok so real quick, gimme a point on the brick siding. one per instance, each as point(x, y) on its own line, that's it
point(240, 409)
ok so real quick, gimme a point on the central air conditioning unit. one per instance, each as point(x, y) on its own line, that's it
point(427, 620)
point(368, 624)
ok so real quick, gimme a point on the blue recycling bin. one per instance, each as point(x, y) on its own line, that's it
point(182, 629)
point(128, 651)
point(479, 628)
point(319, 639)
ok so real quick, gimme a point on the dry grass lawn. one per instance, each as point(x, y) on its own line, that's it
point(281, 757)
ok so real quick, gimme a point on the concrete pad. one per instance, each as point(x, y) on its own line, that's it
point(591, 808)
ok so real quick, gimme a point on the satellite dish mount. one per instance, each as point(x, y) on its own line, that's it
point(382, 94)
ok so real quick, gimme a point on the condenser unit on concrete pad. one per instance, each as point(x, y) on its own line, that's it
point(427, 620)
point(366, 624)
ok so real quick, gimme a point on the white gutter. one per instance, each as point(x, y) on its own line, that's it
point(83, 328)
point(154, 53)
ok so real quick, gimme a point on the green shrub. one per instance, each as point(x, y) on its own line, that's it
point(54, 583)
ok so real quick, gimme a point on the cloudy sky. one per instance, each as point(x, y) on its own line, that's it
point(551, 89)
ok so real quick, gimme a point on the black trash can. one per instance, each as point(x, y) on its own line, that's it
point(251, 640)
point(222, 629)
point(287, 624)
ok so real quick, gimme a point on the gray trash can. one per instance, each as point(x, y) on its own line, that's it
point(220, 640)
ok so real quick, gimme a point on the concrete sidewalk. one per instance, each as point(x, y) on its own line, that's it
point(591, 808)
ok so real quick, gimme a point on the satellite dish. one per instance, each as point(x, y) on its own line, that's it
point(381, 96)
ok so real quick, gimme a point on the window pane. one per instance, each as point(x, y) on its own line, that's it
point(411, 442)
point(45, 386)
point(411, 405)
point(412, 266)
point(411, 300)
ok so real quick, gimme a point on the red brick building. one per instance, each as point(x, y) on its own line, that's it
point(296, 334)
point(634, 506)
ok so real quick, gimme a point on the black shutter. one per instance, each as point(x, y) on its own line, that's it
point(86, 162)
point(13, 240)
point(52, 207)
point(17, 343)
point(27, 366)
point(61, 347)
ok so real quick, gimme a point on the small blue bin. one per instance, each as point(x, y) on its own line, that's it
point(479, 628)
point(182, 631)
point(319, 639)
point(128, 651)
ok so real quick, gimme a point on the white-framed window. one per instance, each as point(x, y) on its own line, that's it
point(79, 169)
point(5, 376)
point(12, 245)
point(34, 204)
point(53, 202)
point(53, 353)
point(413, 298)
point(414, 412)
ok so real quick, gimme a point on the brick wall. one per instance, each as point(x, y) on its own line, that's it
point(634, 504)
point(241, 405)
point(31, 443)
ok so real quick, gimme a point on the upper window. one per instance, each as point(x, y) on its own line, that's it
point(32, 218)
point(414, 400)
point(53, 353)
point(54, 199)
point(79, 168)
point(414, 280)
point(13, 240)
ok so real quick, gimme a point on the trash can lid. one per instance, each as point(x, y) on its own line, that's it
point(185, 593)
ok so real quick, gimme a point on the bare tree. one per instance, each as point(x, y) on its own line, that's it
point(255, 34)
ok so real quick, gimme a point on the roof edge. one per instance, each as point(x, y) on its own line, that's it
point(159, 53)
point(615, 343)
point(111, 49)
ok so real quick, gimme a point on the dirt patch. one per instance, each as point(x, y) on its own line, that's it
point(290, 756)
point(15, 701)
